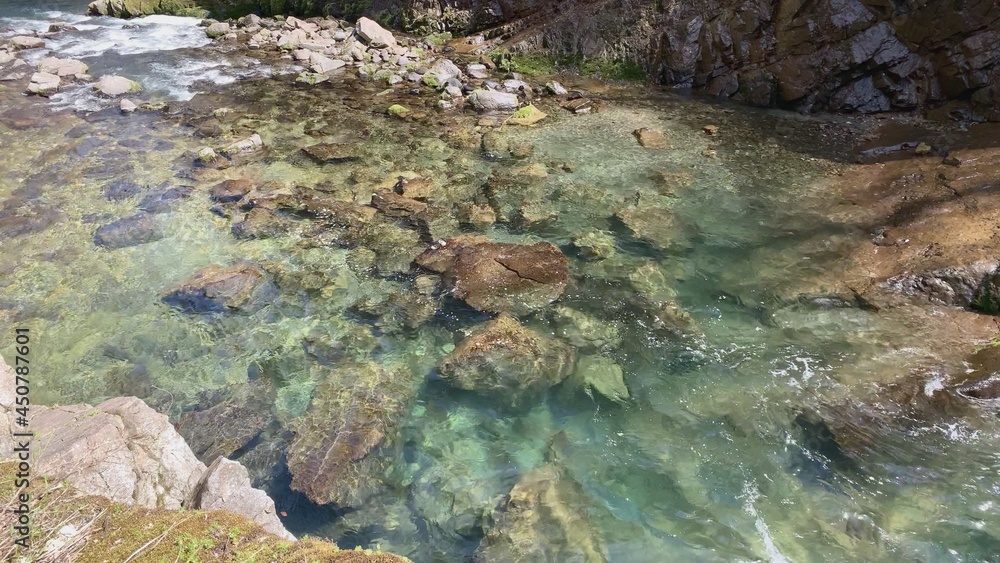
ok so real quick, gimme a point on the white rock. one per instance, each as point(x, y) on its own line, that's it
point(439, 74)
point(44, 84)
point(374, 34)
point(477, 71)
point(6, 57)
point(249, 20)
point(62, 67)
point(125, 451)
point(216, 30)
point(491, 100)
point(515, 85)
point(226, 486)
point(114, 86)
point(556, 88)
point(26, 42)
point(295, 23)
point(301, 54)
point(322, 65)
point(127, 106)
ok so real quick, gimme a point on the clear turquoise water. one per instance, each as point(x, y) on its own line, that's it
point(703, 463)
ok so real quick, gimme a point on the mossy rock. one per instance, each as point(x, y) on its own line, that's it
point(114, 532)
point(399, 111)
point(528, 115)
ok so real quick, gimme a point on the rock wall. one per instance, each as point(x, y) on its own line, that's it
point(832, 55)
point(809, 55)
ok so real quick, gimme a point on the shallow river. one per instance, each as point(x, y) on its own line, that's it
point(706, 459)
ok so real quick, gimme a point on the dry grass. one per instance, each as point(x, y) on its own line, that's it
point(106, 532)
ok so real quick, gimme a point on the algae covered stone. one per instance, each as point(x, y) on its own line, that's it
point(399, 111)
point(583, 330)
point(545, 518)
point(356, 410)
point(508, 362)
point(219, 288)
point(528, 115)
point(601, 375)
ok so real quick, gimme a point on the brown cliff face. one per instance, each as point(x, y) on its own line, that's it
point(823, 55)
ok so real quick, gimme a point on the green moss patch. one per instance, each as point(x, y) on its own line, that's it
point(107, 532)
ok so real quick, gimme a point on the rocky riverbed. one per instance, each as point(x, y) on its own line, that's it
point(456, 312)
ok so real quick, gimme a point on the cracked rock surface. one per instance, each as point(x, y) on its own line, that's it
point(500, 277)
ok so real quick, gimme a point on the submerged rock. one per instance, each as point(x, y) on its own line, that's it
point(223, 428)
point(355, 412)
point(583, 330)
point(656, 225)
point(595, 245)
point(263, 223)
point(601, 375)
point(504, 359)
point(230, 191)
point(500, 277)
point(652, 139)
point(394, 205)
point(137, 229)
point(120, 190)
point(218, 288)
point(508, 190)
point(251, 144)
point(164, 200)
point(545, 518)
point(331, 153)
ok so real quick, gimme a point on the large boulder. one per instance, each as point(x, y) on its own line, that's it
point(121, 449)
point(504, 359)
point(125, 451)
point(373, 34)
point(219, 288)
point(440, 73)
point(500, 277)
